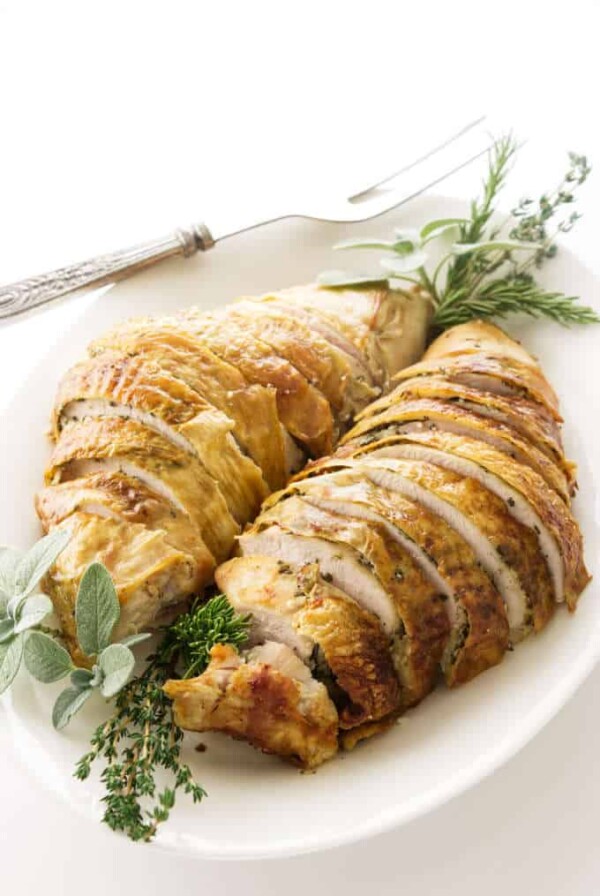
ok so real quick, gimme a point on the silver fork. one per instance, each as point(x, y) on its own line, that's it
point(454, 153)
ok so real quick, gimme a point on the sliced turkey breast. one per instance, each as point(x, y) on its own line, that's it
point(302, 408)
point(502, 376)
point(252, 408)
point(526, 494)
point(428, 414)
point(108, 444)
point(336, 561)
point(313, 356)
point(135, 388)
point(266, 697)
point(387, 326)
point(528, 417)
point(418, 603)
point(475, 337)
point(127, 499)
point(344, 645)
point(151, 577)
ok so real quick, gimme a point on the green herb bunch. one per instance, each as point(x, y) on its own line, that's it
point(141, 739)
point(23, 637)
point(485, 274)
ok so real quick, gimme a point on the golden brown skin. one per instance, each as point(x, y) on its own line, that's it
point(252, 408)
point(418, 603)
point(302, 408)
point(125, 442)
point(257, 703)
point(530, 419)
point(148, 572)
point(126, 385)
point(509, 375)
point(433, 414)
point(350, 639)
point(475, 337)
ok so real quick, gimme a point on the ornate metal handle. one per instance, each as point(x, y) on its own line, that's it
point(16, 298)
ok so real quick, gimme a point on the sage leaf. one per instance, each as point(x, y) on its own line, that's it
point(11, 653)
point(38, 560)
point(97, 609)
point(82, 679)
point(9, 561)
point(493, 245)
point(32, 611)
point(116, 662)
point(404, 264)
point(67, 704)
point(335, 279)
point(45, 658)
point(433, 229)
point(401, 246)
point(130, 640)
point(7, 629)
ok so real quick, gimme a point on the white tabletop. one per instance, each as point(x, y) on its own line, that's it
point(120, 120)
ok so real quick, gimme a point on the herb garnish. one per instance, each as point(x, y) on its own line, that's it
point(141, 738)
point(485, 274)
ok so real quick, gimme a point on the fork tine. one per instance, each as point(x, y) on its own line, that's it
point(386, 200)
point(362, 195)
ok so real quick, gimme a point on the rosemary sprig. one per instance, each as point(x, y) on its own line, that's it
point(485, 274)
point(140, 740)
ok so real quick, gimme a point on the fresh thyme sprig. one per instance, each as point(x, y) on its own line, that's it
point(141, 739)
point(485, 274)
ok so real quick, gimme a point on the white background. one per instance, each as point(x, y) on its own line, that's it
point(121, 120)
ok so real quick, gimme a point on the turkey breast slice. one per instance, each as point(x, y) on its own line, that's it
point(423, 618)
point(151, 577)
point(316, 359)
point(475, 337)
point(302, 408)
point(341, 563)
point(528, 417)
point(110, 444)
point(500, 375)
point(479, 627)
point(127, 499)
point(266, 697)
point(252, 408)
point(344, 645)
point(428, 414)
point(527, 497)
point(387, 326)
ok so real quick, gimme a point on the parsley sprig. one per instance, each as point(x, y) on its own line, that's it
point(485, 274)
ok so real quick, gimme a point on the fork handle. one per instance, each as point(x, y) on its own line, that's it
point(22, 296)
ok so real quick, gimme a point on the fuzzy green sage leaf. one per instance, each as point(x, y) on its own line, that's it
point(32, 611)
point(38, 560)
point(45, 658)
point(116, 663)
point(11, 653)
point(67, 704)
point(9, 561)
point(336, 279)
point(97, 609)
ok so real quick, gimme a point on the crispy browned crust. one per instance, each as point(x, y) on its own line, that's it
point(478, 336)
point(142, 564)
point(420, 608)
point(252, 408)
point(515, 543)
point(482, 611)
point(549, 507)
point(351, 738)
point(309, 353)
point(127, 440)
point(523, 378)
point(125, 498)
point(432, 413)
point(355, 649)
point(527, 417)
point(302, 408)
point(259, 705)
